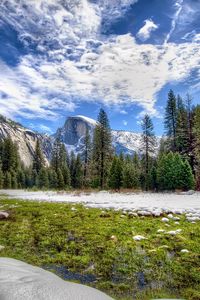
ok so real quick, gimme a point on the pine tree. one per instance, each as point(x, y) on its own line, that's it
point(102, 149)
point(181, 128)
point(61, 183)
point(148, 144)
point(196, 151)
point(21, 178)
point(116, 174)
point(188, 181)
point(78, 178)
point(55, 158)
point(86, 157)
point(53, 179)
point(1, 176)
point(73, 169)
point(38, 160)
point(42, 179)
point(170, 120)
point(10, 157)
point(7, 180)
point(130, 176)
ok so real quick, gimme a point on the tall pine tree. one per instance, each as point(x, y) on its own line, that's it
point(148, 145)
point(170, 120)
point(102, 149)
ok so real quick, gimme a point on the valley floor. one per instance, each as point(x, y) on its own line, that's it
point(146, 247)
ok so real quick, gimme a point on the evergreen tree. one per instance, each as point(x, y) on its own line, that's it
point(78, 178)
point(148, 144)
point(7, 180)
point(53, 179)
point(196, 151)
point(55, 158)
point(86, 157)
point(170, 120)
point(10, 157)
point(102, 149)
point(1, 176)
point(61, 183)
point(38, 160)
point(42, 179)
point(73, 169)
point(188, 181)
point(21, 178)
point(116, 174)
point(130, 176)
point(181, 128)
point(14, 184)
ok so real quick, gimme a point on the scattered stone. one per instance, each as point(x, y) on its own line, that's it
point(144, 213)
point(165, 220)
point(177, 223)
point(192, 219)
point(174, 232)
point(132, 214)
point(73, 209)
point(114, 238)
point(2, 247)
point(122, 216)
point(160, 231)
point(3, 215)
point(170, 216)
point(139, 238)
point(167, 225)
point(105, 215)
point(185, 251)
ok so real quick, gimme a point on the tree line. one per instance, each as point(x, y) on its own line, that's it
point(172, 165)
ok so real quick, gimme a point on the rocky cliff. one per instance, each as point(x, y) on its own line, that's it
point(25, 140)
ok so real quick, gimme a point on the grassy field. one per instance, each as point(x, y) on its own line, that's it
point(98, 249)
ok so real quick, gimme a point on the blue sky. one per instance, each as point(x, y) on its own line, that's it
point(66, 57)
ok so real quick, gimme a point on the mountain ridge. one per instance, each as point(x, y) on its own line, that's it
point(72, 135)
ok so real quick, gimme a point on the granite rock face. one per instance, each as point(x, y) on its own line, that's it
point(20, 281)
point(26, 140)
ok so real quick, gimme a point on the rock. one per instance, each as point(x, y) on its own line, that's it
point(139, 238)
point(177, 223)
point(20, 281)
point(132, 214)
point(165, 220)
point(192, 219)
point(114, 238)
point(160, 231)
point(174, 232)
point(144, 213)
point(170, 216)
point(2, 247)
point(3, 215)
point(185, 251)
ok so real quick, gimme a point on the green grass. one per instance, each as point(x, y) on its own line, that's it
point(52, 234)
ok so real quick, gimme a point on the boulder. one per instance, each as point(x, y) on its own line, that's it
point(3, 215)
point(21, 281)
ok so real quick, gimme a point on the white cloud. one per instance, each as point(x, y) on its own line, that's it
point(145, 32)
point(115, 71)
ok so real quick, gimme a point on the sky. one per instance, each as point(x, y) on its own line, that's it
point(61, 58)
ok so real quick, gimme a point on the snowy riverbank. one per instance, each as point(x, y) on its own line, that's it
point(155, 203)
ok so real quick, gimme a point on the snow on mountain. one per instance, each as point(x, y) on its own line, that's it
point(74, 129)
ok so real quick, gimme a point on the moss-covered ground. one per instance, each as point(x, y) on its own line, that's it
point(97, 248)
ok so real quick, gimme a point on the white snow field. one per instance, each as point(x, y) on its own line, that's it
point(20, 281)
point(144, 204)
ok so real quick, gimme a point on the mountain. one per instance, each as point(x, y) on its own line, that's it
point(25, 140)
point(74, 129)
point(72, 135)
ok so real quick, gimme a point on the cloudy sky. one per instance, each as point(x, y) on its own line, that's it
point(66, 57)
